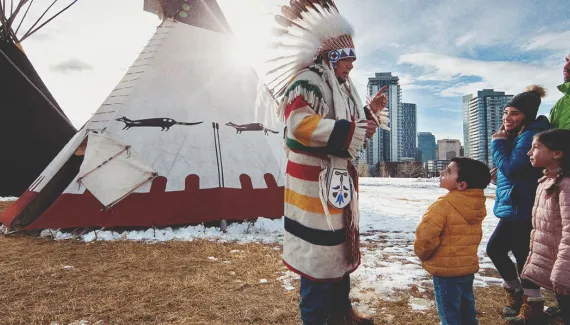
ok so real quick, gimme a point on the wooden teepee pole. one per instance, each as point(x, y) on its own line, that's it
point(31, 32)
point(25, 14)
point(15, 14)
point(6, 21)
point(3, 26)
point(39, 19)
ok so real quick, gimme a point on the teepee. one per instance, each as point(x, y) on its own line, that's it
point(176, 142)
point(33, 128)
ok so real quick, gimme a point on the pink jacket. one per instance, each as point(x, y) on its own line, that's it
point(548, 263)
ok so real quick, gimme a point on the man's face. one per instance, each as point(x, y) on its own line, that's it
point(342, 69)
point(566, 70)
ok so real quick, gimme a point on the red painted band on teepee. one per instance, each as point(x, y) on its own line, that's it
point(160, 208)
point(8, 215)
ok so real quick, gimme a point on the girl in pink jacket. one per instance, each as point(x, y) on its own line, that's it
point(548, 264)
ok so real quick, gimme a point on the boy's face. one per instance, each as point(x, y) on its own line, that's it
point(448, 178)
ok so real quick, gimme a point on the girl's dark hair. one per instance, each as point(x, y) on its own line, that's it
point(559, 140)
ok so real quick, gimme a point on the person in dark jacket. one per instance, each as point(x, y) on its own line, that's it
point(516, 181)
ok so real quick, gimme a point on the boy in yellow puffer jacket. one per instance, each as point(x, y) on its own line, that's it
point(448, 237)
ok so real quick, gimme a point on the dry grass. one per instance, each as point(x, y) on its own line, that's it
point(5, 204)
point(489, 304)
point(139, 283)
point(169, 283)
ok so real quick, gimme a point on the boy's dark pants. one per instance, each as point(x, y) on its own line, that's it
point(320, 299)
point(455, 300)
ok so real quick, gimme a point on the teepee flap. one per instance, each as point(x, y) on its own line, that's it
point(111, 170)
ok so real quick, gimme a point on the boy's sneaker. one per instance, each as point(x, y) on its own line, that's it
point(514, 302)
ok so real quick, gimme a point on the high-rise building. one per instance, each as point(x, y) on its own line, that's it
point(466, 103)
point(448, 149)
point(426, 146)
point(407, 146)
point(387, 145)
point(482, 116)
point(434, 167)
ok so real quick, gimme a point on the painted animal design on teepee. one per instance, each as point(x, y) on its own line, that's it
point(250, 127)
point(162, 122)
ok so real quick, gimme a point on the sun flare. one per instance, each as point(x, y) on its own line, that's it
point(250, 22)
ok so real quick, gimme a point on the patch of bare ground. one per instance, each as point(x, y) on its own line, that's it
point(199, 282)
point(490, 273)
point(5, 204)
point(489, 303)
point(141, 283)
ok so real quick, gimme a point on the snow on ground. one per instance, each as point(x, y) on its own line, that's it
point(419, 304)
point(390, 212)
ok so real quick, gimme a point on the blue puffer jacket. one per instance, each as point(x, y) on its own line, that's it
point(517, 180)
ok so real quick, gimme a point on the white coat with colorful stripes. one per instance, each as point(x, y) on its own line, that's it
point(322, 118)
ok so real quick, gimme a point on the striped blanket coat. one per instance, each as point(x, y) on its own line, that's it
point(317, 130)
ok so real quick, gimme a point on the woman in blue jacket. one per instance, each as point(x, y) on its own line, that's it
point(517, 181)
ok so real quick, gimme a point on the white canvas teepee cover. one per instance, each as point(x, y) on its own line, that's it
point(190, 75)
point(186, 111)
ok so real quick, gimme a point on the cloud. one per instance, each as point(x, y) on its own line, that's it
point(450, 27)
point(549, 41)
point(70, 66)
point(461, 89)
point(508, 76)
point(450, 110)
point(463, 39)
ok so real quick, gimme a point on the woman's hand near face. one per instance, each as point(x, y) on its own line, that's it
point(500, 134)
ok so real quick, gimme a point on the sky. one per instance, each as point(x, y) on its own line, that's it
point(440, 50)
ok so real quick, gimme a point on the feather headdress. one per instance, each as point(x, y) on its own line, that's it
point(308, 29)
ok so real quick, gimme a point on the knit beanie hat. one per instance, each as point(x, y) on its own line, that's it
point(528, 101)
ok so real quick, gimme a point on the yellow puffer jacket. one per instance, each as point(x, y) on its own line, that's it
point(449, 234)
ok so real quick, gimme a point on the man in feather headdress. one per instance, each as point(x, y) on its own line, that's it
point(326, 128)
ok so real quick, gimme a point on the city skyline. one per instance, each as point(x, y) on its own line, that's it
point(399, 143)
point(472, 45)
